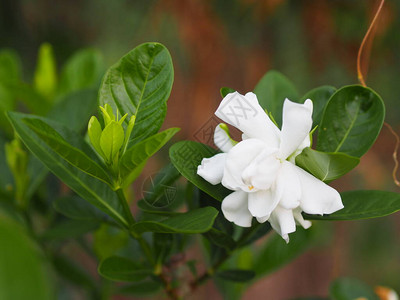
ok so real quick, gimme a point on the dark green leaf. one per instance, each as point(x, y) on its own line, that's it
point(220, 238)
point(96, 192)
point(225, 91)
point(326, 166)
point(108, 240)
point(6, 178)
point(272, 90)
point(162, 191)
point(364, 205)
point(276, 253)
point(255, 232)
point(24, 270)
point(350, 289)
point(140, 152)
point(195, 221)
point(140, 84)
point(10, 66)
point(236, 275)
point(122, 269)
point(73, 272)
point(320, 97)
point(186, 157)
point(59, 145)
point(83, 70)
point(351, 121)
point(75, 207)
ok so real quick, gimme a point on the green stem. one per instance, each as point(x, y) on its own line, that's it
point(125, 206)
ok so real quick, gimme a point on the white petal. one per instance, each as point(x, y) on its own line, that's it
point(262, 203)
point(316, 196)
point(239, 157)
point(282, 221)
point(212, 169)
point(263, 219)
point(234, 208)
point(288, 188)
point(299, 218)
point(222, 139)
point(246, 114)
point(296, 126)
point(262, 172)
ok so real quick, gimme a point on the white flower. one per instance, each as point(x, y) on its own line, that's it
point(261, 168)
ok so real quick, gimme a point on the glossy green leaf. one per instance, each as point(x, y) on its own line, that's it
point(220, 239)
point(195, 221)
point(225, 91)
point(320, 97)
point(83, 70)
point(59, 145)
point(75, 207)
point(96, 192)
point(326, 166)
point(45, 78)
point(272, 90)
point(351, 289)
point(255, 232)
point(186, 157)
point(111, 140)
point(24, 270)
point(363, 205)
point(140, 152)
point(122, 269)
point(351, 121)
point(276, 252)
point(140, 84)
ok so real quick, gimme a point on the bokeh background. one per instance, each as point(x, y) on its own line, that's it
point(216, 43)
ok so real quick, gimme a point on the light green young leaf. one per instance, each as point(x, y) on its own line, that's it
point(45, 78)
point(363, 205)
point(140, 84)
point(128, 133)
point(326, 166)
point(94, 132)
point(74, 156)
point(272, 90)
point(111, 140)
point(351, 121)
point(195, 221)
point(122, 269)
point(91, 189)
point(140, 152)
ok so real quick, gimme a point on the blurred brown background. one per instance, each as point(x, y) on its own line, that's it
point(216, 43)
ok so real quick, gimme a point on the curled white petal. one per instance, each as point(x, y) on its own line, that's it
point(222, 139)
point(212, 169)
point(296, 126)
point(261, 173)
point(239, 157)
point(288, 187)
point(234, 208)
point(282, 221)
point(246, 114)
point(262, 203)
point(316, 196)
point(300, 220)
